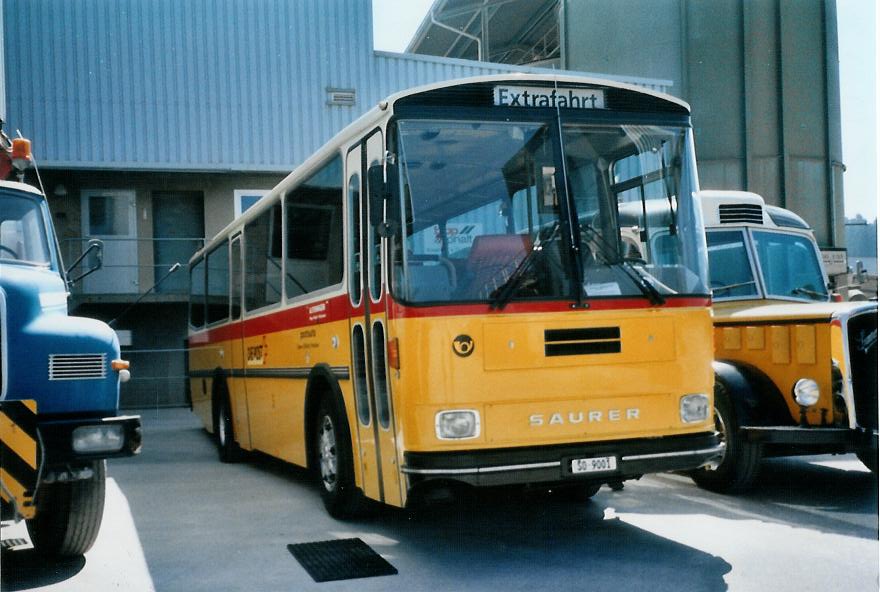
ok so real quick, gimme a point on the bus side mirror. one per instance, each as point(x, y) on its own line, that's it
point(95, 253)
point(384, 199)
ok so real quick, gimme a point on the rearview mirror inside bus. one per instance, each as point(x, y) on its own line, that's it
point(384, 199)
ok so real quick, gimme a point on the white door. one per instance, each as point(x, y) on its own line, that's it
point(110, 215)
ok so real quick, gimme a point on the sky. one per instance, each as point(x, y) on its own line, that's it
point(395, 23)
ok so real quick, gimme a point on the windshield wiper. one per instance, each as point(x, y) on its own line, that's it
point(640, 280)
point(730, 287)
point(807, 292)
point(503, 293)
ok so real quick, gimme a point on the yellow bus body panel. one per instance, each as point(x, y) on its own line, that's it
point(526, 398)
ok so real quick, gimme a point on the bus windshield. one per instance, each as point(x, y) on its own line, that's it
point(23, 237)
point(506, 210)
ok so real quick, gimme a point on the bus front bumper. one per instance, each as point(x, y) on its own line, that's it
point(554, 464)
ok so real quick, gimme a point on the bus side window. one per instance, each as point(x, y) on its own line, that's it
point(218, 284)
point(354, 222)
point(262, 285)
point(197, 294)
point(314, 232)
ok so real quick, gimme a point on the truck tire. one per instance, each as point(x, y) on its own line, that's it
point(334, 464)
point(741, 462)
point(69, 515)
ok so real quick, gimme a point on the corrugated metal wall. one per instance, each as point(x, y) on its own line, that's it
point(197, 84)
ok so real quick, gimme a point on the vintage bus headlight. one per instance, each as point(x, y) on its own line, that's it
point(457, 424)
point(98, 438)
point(694, 408)
point(806, 392)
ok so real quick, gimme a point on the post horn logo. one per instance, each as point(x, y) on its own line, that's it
point(463, 346)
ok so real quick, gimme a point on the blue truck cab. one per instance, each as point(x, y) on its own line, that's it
point(59, 387)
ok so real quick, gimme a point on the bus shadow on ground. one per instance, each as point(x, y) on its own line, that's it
point(499, 540)
point(790, 491)
point(25, 568)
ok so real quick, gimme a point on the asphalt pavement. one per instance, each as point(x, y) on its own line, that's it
point(176, 519)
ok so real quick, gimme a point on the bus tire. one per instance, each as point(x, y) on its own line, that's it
point(334, 464)
point(227, 448)
point(69, 515)
point(868, 458)
point(741, 462)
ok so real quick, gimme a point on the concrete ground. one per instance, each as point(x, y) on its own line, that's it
point(177, 519)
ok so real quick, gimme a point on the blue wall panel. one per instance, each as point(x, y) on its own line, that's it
point(197, 84)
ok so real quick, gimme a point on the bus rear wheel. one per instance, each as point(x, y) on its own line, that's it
point(227, 448)
point(69, 515)
point(334, 464)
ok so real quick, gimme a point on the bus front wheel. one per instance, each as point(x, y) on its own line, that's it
point(334, 463)
point(69, 515)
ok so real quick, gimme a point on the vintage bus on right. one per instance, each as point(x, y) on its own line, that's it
point(796, 372)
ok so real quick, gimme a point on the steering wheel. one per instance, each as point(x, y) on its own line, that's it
point(9, 250)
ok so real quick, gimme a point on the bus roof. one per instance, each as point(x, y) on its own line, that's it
point(385, 107)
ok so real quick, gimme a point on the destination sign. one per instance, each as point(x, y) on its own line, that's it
point(535, 96)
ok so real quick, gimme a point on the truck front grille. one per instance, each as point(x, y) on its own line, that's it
point(77, 366)
point(862, 335)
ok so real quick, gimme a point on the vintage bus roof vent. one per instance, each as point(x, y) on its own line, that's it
point(741, 214)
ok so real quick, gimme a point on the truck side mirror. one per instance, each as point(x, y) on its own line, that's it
point(95, 252)
point(384, 199)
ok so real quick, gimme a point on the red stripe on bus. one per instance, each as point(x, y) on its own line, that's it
point(400, 311)
point(339, 308)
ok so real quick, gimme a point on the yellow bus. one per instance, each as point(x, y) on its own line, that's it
point(441, 296)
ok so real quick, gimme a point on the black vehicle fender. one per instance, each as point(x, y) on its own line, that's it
point(755, 398)
point(321, 383)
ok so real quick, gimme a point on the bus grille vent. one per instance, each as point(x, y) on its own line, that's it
point(741, 214)
point(581, 342)
point(77, 366)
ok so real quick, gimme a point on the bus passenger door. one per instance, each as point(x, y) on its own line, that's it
point(376, 433)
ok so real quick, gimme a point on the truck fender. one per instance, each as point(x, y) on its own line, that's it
point(755, 398)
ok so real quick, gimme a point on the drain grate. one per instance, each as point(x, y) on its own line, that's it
point(342, 559)
point(11, 543)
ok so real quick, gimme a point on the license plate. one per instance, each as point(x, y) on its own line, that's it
point(597, 464)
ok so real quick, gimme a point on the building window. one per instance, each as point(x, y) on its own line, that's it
point(245, 198)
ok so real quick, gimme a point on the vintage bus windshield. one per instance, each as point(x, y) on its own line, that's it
point(486, 210)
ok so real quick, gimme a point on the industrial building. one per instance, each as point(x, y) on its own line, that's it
point(156, 122)
point(761, 77)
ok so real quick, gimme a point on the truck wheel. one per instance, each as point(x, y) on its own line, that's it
point(742, 459)
point(334, 464)
point(227, 448)
point(868, 458)
point(69, 515)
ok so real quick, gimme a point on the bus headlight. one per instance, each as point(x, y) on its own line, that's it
point(806, 392)
point(457, 424)
point(98, 438)
point(694, 408)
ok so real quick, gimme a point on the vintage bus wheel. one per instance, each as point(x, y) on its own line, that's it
point(69, 515)
point(739, 467)
point(334, 464)
point(227, 448)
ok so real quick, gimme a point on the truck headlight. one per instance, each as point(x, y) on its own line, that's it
point(458, 424)
point(95, 439)
point(806, 392)
point(694, 408)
